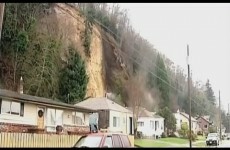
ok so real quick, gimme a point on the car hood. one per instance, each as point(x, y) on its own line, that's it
point(211, 138)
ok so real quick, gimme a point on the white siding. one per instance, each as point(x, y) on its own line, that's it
point(67, 117)
point(147, 129)
point(30, 116)
point(123, 119)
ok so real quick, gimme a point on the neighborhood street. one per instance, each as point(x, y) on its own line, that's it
point(225, 143)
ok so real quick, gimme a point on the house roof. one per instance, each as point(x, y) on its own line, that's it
point(145, 113)
point(40, 100)
point(101, 103)
point(187, 116)
point(205, 118)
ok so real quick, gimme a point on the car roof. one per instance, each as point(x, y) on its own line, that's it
point(105, 133)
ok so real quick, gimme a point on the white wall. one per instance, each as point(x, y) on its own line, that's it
point(67, 117)
point(123, 125)
point(30, 116)
point(147, 129)
point(178, 123)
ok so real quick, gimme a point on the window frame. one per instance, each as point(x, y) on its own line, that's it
point(116, 123)
point(74, 118)
point(51, 127)
point(21, 107)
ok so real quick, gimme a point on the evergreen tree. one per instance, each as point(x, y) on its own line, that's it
point(73, 81)
point(170, 120)
point(162, 81)
point(209, 93)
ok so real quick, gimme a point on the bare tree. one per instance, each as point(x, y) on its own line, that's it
point(135, 90)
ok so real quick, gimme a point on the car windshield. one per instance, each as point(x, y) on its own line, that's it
point(89, 141)
point(212, 135)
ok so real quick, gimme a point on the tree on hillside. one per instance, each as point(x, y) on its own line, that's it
point(161, 82)
point(209, 93)
point(134, 88)
point(74, 80)
point(170, 120)
point(19, 22)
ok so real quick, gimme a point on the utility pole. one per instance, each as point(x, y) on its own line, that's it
point(190, 122)
point(2, 7)
point(220, 116)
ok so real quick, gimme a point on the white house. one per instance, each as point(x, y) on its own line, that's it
point(150, 124)
point(182, 117)
point(25, 113)
point(112, 116)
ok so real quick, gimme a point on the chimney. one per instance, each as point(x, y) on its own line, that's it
point(21, 86)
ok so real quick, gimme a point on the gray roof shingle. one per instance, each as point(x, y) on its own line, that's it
point(40, 100)
point(101, 103)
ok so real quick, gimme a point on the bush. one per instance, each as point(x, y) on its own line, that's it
point(182, 133)
point(163, 135)
point(199, 133)
point(194, 136)
point(139, 135)
point(172, 135)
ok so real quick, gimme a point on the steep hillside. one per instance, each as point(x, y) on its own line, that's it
point(69, 25)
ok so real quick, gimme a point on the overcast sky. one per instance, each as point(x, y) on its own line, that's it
point(205, 27)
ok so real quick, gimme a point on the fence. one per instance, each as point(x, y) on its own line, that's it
point(37, 140)
point(40, 140)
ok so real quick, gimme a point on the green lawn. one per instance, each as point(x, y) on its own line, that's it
point(175, 140)
point(202, 144)
point(167, 142)
point(149, 143)
point(201, 138)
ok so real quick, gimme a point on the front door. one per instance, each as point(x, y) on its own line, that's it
point(40, 120)
point(130, 125)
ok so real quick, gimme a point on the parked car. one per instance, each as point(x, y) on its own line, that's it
point(212, 139)
point(103, 140)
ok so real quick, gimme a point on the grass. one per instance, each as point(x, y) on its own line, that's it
point(149, 143)
point(201, 138)
point(169, 141)
point(175, 140)
point(201, 144)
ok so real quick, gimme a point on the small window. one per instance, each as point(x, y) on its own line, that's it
point(205, 126)
point(108, 141)
point(11, 107)
point(125, 140)
point(116, 122)
point(152, 124)
point(140, 124)
point(77, 118)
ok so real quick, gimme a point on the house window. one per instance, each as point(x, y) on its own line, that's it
point(156, 125)
point(77, 118)
point(140, 124)
point(206, 126)
point(152, 124)
point(54, 118)
point(116, 122)
point(12, 108)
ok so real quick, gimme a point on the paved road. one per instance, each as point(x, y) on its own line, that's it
point(225, 143)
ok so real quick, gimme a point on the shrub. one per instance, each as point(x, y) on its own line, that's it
point(199, 133)
point(163, 135)
point(193, 136)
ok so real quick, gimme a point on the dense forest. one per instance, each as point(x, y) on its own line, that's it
point(147, 77)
